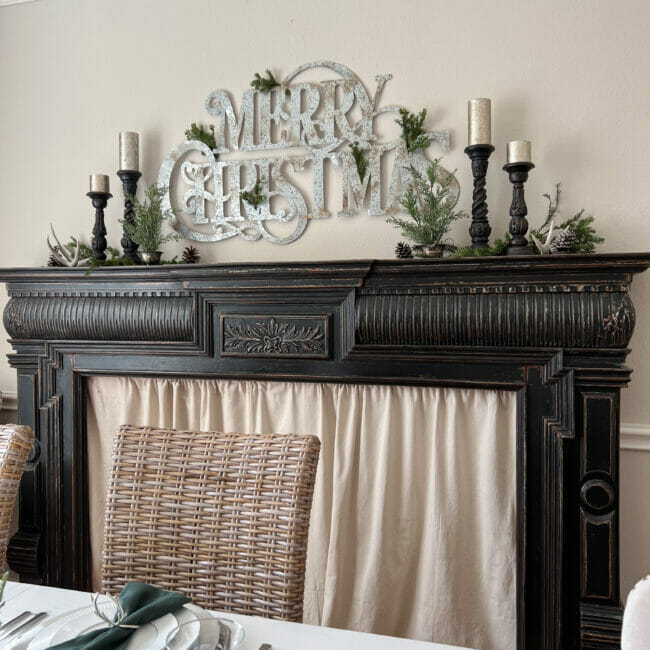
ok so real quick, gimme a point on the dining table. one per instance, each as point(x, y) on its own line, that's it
point(258, 631)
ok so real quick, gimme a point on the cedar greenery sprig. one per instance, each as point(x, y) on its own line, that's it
point(148, 219)
point(265, 84)
point(586, 237)
point(413, 134)
point(254, 197)
point(360, 160)
point(428, 203)
point(200, 133)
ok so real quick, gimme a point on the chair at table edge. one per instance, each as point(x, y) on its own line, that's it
point(635, 633)
point(252, 517)
point(15, 443)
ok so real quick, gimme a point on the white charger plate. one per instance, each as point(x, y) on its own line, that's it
point(205, 633)
point(80, 621)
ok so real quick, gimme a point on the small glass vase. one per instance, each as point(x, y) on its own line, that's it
point(430, 250)
point(150, 257)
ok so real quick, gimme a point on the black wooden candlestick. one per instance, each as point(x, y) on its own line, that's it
point(518, 174)
point(129, 180)
point(479, 229)
point(99, 243)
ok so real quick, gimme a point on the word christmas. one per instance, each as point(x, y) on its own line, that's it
point(314, 122)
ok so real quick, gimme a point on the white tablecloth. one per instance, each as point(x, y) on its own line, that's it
point(281, 635)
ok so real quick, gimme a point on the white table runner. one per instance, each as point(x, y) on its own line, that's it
point(280, 634)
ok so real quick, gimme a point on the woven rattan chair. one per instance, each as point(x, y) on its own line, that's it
point(15, 443)
point(221, 517)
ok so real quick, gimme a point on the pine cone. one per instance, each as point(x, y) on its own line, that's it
point(52, 261)
point(403, 251)
point(563, 242)
point(191, 255)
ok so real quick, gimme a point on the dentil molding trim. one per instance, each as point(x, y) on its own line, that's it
point(634, 437)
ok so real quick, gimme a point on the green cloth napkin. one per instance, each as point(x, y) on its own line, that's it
point(142, 604)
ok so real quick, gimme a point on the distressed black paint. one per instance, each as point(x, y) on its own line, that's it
point(554, 329)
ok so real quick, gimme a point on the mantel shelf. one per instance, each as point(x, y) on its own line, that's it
point(617, 263)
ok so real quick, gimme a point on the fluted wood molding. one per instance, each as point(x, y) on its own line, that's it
point(100, 318)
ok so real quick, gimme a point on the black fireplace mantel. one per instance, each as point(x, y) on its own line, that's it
point(553, 329)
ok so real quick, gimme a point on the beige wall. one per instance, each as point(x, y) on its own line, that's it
point(570, 76)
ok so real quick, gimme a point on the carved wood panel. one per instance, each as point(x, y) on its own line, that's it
point(276, 336)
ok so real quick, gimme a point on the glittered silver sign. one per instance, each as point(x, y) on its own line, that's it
point(307, 124)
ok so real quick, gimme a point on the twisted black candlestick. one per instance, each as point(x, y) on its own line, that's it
point(518, 174)
point(129, 180)
point(99, 243)
point(479, 229)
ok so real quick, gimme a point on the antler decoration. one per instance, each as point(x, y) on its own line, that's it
point(120, 614)
point(545, 248)
point(61, 253)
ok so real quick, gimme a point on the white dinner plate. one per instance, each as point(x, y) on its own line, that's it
point(80, 621)
point(77, 617)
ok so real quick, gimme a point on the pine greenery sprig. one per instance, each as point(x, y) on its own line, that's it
point(413, 134)
point(553, 202)
point(84, 249)
point(265, 84)
point(586, 237)
point(429, 206)
point(498, 248)
point(360, 160)
point(254, 197)
point(200, 133)
point(148, 219)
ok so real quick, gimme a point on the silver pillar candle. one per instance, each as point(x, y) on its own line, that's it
point(129, 151)
point(518, 151)
point(479, 121)
point(99, 183)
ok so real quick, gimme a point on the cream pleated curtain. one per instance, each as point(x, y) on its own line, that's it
point(413, 522)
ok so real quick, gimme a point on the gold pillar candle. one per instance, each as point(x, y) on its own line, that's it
point(129, 151)
point(479, 121)
point(99, 183)
point(518, 151)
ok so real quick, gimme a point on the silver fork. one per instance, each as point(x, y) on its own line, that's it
point(23, 627)
point(14, 622)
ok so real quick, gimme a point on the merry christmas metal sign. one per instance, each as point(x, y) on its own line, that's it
point(306, 124)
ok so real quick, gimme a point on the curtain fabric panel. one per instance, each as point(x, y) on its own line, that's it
point(413, 522)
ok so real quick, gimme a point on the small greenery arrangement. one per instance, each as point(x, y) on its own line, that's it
point(85, 251)
point(498, 248)
point(254, 197)
point(413, 134)
point(200, 133)
point(586, 238)
point(360, 160)
point(148, 219)
point(265, 84)
point(429, 207)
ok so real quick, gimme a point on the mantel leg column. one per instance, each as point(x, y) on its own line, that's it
point(597, 421)
point(24, 552)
